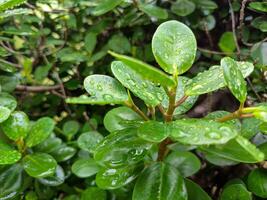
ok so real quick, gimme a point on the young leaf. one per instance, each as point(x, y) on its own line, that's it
point(89, 140)
point(105, 90)
point(8, 154)
point(93, 193)
point(201, 131)
point(4, 113)
point(153, 131)
point(257, 182)
point(174, 47)
point(180, 92)
point(8, 101)
point(234, 79)
point(194, 191)
point(212, 79)
point(160, 181)
point(145, 70)
point(110, 178)
point(39, 165)
point(121, 148)
point(105, 6)
point(153, 10)
point(40, 131)
point(113, 120)
point(185, 162)
point(84, 168)
point(16, 126)
point(238, 149)
point(141, 88)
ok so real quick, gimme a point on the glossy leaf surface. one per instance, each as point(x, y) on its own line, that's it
point(194, 191)
point(105, 6)
point(8, 101)
point(84, 168)
point(257, 182)
point(56, 179)
point(4, 113)
point(89, 140)
point(8, 154)
point(235, 191)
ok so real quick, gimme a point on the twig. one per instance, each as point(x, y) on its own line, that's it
point(9, 63)
point(180, 101)
point(37, 89)
point(87, 118)
point(241, 17)
point(215, 52)
point(208, 35)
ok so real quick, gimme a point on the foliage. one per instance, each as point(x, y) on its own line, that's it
point(99, 100)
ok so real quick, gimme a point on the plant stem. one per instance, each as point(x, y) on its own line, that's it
point(182, 100)
point(169, 113)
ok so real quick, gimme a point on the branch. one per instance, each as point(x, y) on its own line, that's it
point(36, 89)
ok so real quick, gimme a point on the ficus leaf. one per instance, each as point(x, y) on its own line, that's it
point(160, 181)
point(144, 89)
point(201, 131)
point(105, 90)
point(234, 79)
point(145, 70)
point(174, 47)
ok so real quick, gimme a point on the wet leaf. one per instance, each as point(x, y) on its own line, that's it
point(235, 191)
point(63, 153)
point(84, 168)
point(8, 101)
point(89, 140)
point(174, 47)
point(8, 154)
point(57, 179)
point(257, 182)
point(4, 113)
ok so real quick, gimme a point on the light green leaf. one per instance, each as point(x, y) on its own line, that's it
point(105, 6)
point(111, 178)
point(259, 6)
point(39, 165)
point(105, 90)
point(201, 131)
point(145, 70)
point(84, 168)
point(40, 131)
point(89, 140)
point(227, 42)
point(4, 113)
point(234, 79)
point(153, 10)
point(195, 192)
point(183, 7)
point(144, 89)
point(16, 126)
point(8, 101)
point(185, 162)
point(257, 182)
point(8, 4)
point(174, 47)
point(113, 120)
point(121, 148)
point(8, 154)
point(153, 131)
point(212, 79)
point(160, 181)
point(238, 149)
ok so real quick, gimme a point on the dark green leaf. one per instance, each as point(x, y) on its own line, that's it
point(63, 153)
point(94, 193)
point(153, 10)
point(89, 140)
point(195, 192)
point(105, 6)
point(257, 182)
point(119, 43)
point(49, 145)
point(70, 128)
point(174, 47)
point(90, 41)
point(85, 168)
point(235, 191)
point(160, 181)
point(183, 7)
point(259, 6)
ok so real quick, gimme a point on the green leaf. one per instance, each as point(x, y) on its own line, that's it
point(194, 191)
point(54, 180)
point(40, 131)
point(258, 52)
point(113, 120)
point(212, 79)
point(144, 89)
point(235, 191)
point(183, 7)
point(174, 47)
point(39, 165)
point(11, 182)
point(160, 181)
point(218, 160)
point(84, 168)
point(4, 113)
point(8, 154)
point(153, 131)
point(121, 148)
point(70, 128)
point(261, 115)
point(250, 127)
point(8, 4)
point(234, 79)
point(257, 182)
point(90, 41)
point(201, 131)
point(63, 153)
point(8, 101)
point(227, 42)
point(180, 92)
point(145, 70)
point(238, 149)
point(49, 145)
point(153, 10)
point(105, 90)
point(89, 140)
point(119, 43)
point(111, 178)
point(94, 193)
point(259, 6)
point(185, 162)
point(16, 126)
point(105, 6)
point(14, 12)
